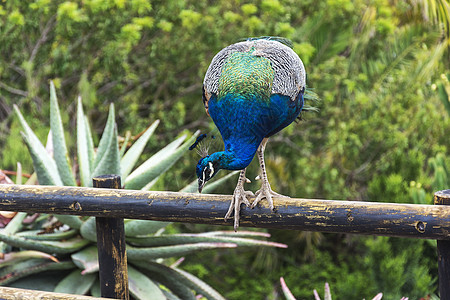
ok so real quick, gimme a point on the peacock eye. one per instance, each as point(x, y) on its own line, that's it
point(208, 171)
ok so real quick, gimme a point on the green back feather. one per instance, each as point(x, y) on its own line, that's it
point(246, 74)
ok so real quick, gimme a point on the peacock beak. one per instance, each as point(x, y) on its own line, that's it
point(201, 184)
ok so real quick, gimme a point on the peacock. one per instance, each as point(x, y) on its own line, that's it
point(252, 90)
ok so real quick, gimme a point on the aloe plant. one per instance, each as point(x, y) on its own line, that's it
point(64, 247)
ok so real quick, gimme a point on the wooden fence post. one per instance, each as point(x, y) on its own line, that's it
point(443, 248)
point(112, 255)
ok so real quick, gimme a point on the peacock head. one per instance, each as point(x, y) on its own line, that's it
point(207, 167)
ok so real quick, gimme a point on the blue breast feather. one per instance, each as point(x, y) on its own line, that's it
point(244, 122)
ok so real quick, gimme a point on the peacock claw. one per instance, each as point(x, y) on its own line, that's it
point(266, 192)
point(239, 197)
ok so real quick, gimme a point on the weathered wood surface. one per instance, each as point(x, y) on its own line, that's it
point(8, 293)
point(443, 249)
point(388, 219)
point(112, 257)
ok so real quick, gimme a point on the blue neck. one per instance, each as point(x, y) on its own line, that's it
point(236, 157)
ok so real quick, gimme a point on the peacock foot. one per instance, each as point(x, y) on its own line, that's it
point(266, 192)
point(239, 197)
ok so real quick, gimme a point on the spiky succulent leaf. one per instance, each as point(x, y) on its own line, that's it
point(183, 239)
point(327, 295)
point(90, 143)
point(96, 289)
point(73, 221)
point(125, 143)
point(55, 236)
point(158, 156)
point(42, 281)
point(60, 153)
point(143, 227)
point(198, 285)
point(173, 278)
point(110, 159)
point(286, 291)
point(12, 227)
point(15, 257)
point(169, 251)
point(86, 259)
point(107, 137)
point(75, 283)
point(50, 247)
point(43, 163)
point(141, 287)
point(31, 266)
point(153, 167)
point(241, 233)
point(165, 276)
point(130, 158)
point(88, 230)
point(84, 161)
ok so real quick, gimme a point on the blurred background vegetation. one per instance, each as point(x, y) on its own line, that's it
point(381, 68)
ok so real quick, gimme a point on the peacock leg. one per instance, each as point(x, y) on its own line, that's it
point(239, 196)
point(266, 190)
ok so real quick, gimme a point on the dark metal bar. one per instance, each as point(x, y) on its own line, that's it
point(443, 249)
point(388, 219)
point(112, 257)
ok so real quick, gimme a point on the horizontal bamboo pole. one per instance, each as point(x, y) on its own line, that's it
point(387, 219)
point(7, 293)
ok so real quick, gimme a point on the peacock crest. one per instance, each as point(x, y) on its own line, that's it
point(202, 144)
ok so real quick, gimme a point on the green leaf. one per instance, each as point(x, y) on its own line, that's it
point(76, 283)
point(88, 229)
point(125, 143)
point(158, 156)
point(31, 266)
point(107, 160)
point(156, 165)
point(42, 281)
point(210, 187)
point(86, 259)
point(95, 289)
point(165, 276)
point(173, 277)
point(169, 251)
point(141, 287)
point(143, 227)
point(60, 153)
point(43, 163)
point(131, 157)
point(90, 144)
point(15, 257)
point(12, 227)
point(73, 221)
point(84, 160)
point(107, 136)
point(55, 236)
point(180, 239)
point(198, 285)
point(65, 247)
point(286, 292)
